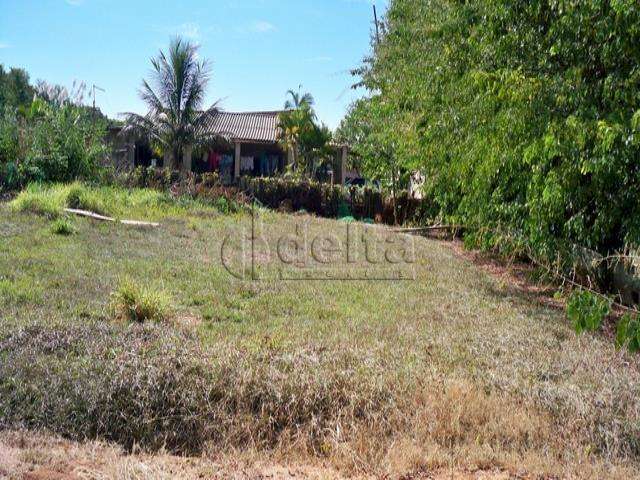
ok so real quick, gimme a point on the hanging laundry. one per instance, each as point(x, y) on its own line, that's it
point(273, 164)
point(214, 161)
point(226, 168)
point(264, 165)
point(246, 164)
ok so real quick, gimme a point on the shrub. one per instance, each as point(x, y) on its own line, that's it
point(587, 310)
point(64, 143)
point(222, 205)
point(139, 304)
point(628, 333)
point(335, 200)
point(9, 150)
point(151, 177)
point(62, 226)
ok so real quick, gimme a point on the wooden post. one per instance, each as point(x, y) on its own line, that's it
point(343, 164)
point(375, 19)
point(236, 164)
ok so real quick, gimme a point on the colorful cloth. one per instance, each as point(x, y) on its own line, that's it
point(214, 161)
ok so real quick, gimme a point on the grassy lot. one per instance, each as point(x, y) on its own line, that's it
point(452, 368)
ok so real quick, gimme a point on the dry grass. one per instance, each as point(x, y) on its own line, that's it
point(455, 370)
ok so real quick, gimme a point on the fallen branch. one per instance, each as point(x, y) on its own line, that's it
point(428, 229)
point(102, 218)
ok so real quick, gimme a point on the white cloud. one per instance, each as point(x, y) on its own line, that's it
point(262, 26)
point(4, 45)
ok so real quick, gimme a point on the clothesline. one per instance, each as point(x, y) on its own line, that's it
point(265, 164)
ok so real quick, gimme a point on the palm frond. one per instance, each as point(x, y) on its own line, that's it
point(174, 94)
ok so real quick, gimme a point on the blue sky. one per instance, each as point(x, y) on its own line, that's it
point(258, 48)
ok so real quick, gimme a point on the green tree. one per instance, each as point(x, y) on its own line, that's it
point(522, 115)
point(61, 143)
point(175, 119)
point(15, 89)
point(299, 101)
point(373, 144)
point(47, 137)
point(301, 134)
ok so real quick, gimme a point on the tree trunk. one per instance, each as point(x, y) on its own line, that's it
point(186, 159)
point(177, 158)
point(394, 187)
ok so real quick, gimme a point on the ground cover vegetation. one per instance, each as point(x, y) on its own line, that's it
point(141, 337)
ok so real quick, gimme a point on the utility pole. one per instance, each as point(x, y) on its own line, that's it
point(375, 19)
point(94, 88)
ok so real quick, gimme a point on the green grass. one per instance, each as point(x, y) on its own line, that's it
point(62, 226)
point(377, 376)
point(51, 200)
point(136, 303)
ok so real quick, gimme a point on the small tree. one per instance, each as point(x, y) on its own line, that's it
point(365, 128)
point(300, 133)
point(175, 119)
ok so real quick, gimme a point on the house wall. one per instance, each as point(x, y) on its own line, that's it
point(121, 155)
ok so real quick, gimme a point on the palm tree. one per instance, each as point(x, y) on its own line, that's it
point(298, 100)
point(175, 120)
point(296, 123)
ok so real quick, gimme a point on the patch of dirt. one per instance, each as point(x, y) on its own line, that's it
point(35, 456)
point(458, 475)
point(47, 474)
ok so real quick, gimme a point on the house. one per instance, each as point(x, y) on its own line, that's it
point(248, 146)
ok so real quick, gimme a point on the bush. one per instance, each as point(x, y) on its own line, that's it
point(336, 200)
point(136, 303)
point(628, 333)
point(49, 142)
point(587, 310)
point(150, 177)
point(64, 143)
point(314, 197)
point(9, 150)
point(62, 226)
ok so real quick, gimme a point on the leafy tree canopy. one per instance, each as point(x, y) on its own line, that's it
point(301, 133)
point(15, 89)
point(524, 117)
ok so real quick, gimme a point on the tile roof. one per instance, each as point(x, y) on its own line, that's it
point(247, 126)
